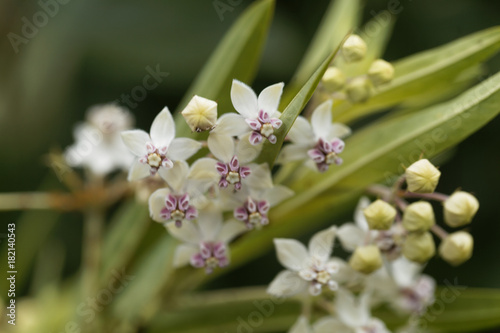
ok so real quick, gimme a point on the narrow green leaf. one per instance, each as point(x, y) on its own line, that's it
point(424, 71)
point(237, 56)
point(341, 17)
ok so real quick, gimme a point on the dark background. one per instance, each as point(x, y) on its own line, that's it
point(93, 51)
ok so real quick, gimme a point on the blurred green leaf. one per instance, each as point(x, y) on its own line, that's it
point(424, 71)
point(236, 57)
point(340, 18)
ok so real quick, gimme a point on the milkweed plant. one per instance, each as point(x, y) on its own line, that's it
point(235, 173)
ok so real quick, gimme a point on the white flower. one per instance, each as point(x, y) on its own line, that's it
point(319, 140)
point(186, 192)
point(311, 267)
point(233, 158)
point(206, 242)
point(158, 149)
point(353, 316)
point(261, 113)
point(98, 145)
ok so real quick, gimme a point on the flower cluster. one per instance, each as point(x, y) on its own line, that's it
point(356, 89)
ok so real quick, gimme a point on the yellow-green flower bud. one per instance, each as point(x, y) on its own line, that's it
point(380, 72)
point(366, 259)
point(419, 216)
point(200, 114)
point(460, 208)
point(457, 248)
point(354, 48)
point(422, 177)
point(333, 80)
point(379, 215)
point(419, 247)
point(358, 90)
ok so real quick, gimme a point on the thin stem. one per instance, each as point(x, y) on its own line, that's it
point(438, 231)
point(431, 196)
point(380, 191)
point(35, 200)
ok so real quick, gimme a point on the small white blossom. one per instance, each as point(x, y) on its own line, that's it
point(158, 149)
point(260, 113)
point(98, 145)
point(205, 242)
point(311, 267)
point(319, 141)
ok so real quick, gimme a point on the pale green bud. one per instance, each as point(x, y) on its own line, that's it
point(419, 247)
point(354, 48)
point(418, 216)
point(460, 208)
point(422, 177)
point(379, 215)
point(380, 72)
point(200, 114)
point(366, 259)
point(333, 80)
point(457, 248)
point(358, 90)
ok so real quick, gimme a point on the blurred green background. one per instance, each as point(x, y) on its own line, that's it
point(94, 51)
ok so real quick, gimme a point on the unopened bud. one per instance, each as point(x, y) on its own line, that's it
point(380, 72)
point(333, 80)
point(460, 208)
point(366, 259)
point(422, 177)
point(358, 90)
point(379, 215)
point(354, 48)
point(418, 216)
point(419, 247)
point(457, 248)
point(200, 114)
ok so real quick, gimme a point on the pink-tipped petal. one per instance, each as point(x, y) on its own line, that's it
point(264, 206)
point(264, 116)
point(254, 124)
point(237, 186)
point(223, 183)
point(234, 164)
point(184, 202)
point(191, 213)
point(338, 145)
point(221, 168)
point(272, 138)
point(245, 172)
point(197, 261)
point(251, 205)
point(316, 155)
point(166, 163)
point(276, 123)
point(165, 214)
point(240, 213)
point(255, 138)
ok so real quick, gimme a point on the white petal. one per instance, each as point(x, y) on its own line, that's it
point(136, 140)
point(231, 124)
point(163, 129)
point(329, 325)
point(302, 132)
point(245, 151)
point(210, 223)
point(286, 284)
point(321, 120)
point(301, 326)
point(221, 146)
point(351, 236)
point(277, 194)
point(260, 178)
point(350, 311)
point(359, 217)
point(157, 203)
point(269, 98)
point(230, 230)
point(138, 171)
point(183, 148)
point(321, 244)
point(293, 152)
point(405, 272)
point(176, 176)
point(338, 130)
point(291, 253)
point(183, 254)
point(244, 100)
point(187, 233)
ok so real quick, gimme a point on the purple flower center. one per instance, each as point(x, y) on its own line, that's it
point(253, 213)
point(232, 173)
point(263, 127)
point(211, 255)
point(326, 153)
point(177, 208)
point(156, 158)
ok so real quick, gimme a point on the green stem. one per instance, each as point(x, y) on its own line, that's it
point(431, 196)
